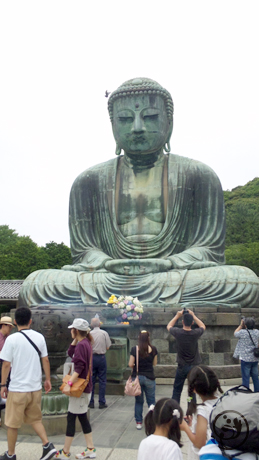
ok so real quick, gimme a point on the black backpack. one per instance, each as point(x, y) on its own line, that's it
point(234, 420)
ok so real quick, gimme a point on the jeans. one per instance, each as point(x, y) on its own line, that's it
point(250, 369)
point(148, 387)
point(100, 371)
point(181, 374)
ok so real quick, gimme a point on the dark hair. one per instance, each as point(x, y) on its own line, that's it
point(144, 343)
point(249, 323)
point(22, 316)
point(204, 381)
point(163, 414)
point(187, 319)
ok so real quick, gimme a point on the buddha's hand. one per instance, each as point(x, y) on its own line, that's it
point(131, 267)
point(74, 268)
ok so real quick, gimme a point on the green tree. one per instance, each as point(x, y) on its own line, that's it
point(246, 255)
point(20, 256)
point(57, 254)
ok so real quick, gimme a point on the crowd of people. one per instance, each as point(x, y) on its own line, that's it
point(25, 351)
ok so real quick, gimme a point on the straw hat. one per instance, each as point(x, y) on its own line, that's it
point(7, 320)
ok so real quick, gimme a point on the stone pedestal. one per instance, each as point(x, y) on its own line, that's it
point(216, 345)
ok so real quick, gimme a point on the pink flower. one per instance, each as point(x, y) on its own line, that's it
point(134, 313)
point(124, 316)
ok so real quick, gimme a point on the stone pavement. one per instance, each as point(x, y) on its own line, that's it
point(114, 432)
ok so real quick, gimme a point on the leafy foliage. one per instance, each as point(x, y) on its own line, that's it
point(20, 256)
point(242, 219)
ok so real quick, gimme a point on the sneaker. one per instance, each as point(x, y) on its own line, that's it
point(5, 456)
point(103, 406)
point(88, 453)
point(91, 405)
point(62, 455)
point(139, 425)
point(48, 451)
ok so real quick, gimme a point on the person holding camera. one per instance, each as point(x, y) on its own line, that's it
point(187, 347)
point(248, 340)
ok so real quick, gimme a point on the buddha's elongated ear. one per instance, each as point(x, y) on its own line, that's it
point(167, 147)
point(117, 150)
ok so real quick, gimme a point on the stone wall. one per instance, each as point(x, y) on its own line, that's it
point(216, 345)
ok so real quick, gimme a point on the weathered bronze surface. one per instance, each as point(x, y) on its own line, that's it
point(148, 223)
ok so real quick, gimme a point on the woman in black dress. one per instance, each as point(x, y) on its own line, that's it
point(147, 361)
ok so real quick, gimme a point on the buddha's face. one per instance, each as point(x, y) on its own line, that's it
point(140, 123)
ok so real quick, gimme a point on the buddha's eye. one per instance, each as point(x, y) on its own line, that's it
point(125, 120)
point(151, 117)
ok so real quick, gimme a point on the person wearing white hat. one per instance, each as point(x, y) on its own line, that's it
point(6, 325)
point(81, 353)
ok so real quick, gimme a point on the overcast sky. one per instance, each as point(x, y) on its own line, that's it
point(57, 59)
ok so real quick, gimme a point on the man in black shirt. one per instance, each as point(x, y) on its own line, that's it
point(187, 347)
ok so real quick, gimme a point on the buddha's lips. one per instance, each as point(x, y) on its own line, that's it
point(138, 138)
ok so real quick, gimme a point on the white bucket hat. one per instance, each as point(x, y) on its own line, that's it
point(80, 324)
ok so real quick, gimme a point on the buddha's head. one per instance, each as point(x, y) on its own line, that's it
point(141, 112)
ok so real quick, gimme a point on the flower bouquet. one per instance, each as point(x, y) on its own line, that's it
point(129, 308)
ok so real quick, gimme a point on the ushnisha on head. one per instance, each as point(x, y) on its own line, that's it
point(140, 87)
point(141, 112)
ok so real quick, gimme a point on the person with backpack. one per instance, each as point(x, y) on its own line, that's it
point(234, 423)
point(248, 340)
point(203, 381)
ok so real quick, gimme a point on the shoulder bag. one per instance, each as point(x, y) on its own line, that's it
point(256, 349)
point(78, 386)
point(132, 387)
point(32, 343)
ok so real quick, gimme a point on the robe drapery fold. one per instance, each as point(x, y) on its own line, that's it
point(192, 238)
point(194, 229)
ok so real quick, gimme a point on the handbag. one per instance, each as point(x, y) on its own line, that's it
point(256, 349)
point(132, 387)
point(78, 386)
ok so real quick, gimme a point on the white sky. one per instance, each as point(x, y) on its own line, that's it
point(57, 58)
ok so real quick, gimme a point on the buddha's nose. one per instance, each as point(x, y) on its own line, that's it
point(138, 124)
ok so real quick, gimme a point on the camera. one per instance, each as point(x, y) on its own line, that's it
point(185, 310)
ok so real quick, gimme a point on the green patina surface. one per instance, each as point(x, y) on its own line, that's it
point(148, 223)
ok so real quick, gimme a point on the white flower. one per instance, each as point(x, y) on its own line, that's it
point(122, 311)
point(136, 317)
point(128, 307)
point(128, 297)
point(121, 305)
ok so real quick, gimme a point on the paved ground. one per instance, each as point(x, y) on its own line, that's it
point(114, 432)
